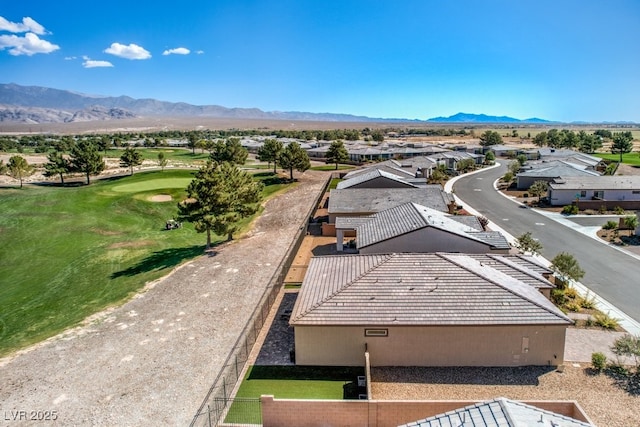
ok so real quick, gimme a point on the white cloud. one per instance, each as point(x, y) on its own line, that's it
point(200, 52)
point(177, 51)
point(29, 45)
point(132, 51)
point(28, 25)
point(90, 63)
point(69, 58)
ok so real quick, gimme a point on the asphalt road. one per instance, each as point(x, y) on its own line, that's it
point(612, 274)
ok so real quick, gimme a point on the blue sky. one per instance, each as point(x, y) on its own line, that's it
point(560, 60)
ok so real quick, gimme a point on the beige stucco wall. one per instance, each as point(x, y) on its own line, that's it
point(432, 346)
point(430, 239)
point(377, 413)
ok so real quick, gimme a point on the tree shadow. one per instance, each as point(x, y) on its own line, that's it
point(309, 373)
point(622, 377)
point(166, 258)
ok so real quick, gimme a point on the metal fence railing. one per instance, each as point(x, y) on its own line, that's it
point(219, 399)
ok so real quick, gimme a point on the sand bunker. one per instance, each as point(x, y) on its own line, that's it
point(161, 198)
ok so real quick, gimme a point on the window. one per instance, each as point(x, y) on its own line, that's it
point(376, 332)
point(583, 193)
point(635, 192)
point(598, 194)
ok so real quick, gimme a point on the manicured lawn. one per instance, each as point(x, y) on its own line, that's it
point(293, 382)
point(68, 252)
point(632, 158)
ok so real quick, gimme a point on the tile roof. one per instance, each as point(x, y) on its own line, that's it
point(370, 200)
point(371, 175)
point(615, 182)
point(417, 289)
point(556, 169)
point(500, 412)
point(410, 217)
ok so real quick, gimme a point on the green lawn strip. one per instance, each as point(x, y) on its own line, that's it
point(627, 158)
point(331, 167)
point(68, 252)
point(292, 382)
point(334, 183)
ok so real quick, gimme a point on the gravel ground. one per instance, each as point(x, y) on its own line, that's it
point(607, 404)
point(152, 360)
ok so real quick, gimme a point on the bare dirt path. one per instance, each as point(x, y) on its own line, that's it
point(152, 360)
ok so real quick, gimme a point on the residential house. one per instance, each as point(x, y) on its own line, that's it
point(422, 310)
point(365, 201)
point(414, 228)
point(591, 191)
point(548, 171)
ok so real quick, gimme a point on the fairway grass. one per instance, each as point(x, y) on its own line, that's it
point(628, 158)
point(69, 252)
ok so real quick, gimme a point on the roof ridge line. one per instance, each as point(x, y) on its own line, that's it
point(511, 291)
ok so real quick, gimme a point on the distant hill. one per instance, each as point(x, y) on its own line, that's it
point(69, 103)
point(483, 118)
point(36, 104)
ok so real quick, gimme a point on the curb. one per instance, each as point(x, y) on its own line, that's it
point(629, 324)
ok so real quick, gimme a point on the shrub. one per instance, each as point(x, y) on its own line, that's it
point(570, 210)
point(558, 297)
point(605, 321)
point(619, 211)
point(525, 195)
point(571, 293)
point(610, 225)
point(602, 209)
point(573, 306)
point(507, 177)
point(588, 302)
point(598, 361)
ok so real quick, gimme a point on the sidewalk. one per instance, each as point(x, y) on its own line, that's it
point(629, 324)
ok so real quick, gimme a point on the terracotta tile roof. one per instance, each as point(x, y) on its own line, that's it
point(417, 289)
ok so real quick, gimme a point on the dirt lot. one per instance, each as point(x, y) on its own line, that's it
point(152, 360)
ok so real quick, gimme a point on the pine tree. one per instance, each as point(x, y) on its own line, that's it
point(337, 153)
point(218, 197)
point(294, 157)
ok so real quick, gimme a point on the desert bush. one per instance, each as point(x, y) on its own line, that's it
point(598, 361)
point(588, 302)
point(627, 345)
point(610, 225)
point(571, 293)
point(605, 321)
point(558, 297)
point(602, 209)
point(570, 210)
point(619, 211)
point(573, 306)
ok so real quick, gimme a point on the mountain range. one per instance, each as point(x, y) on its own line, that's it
point(36, 104)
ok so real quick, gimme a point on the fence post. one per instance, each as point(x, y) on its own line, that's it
point(237, 366)
point(209, 414)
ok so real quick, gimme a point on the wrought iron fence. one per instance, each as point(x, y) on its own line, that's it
point(219, 401)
